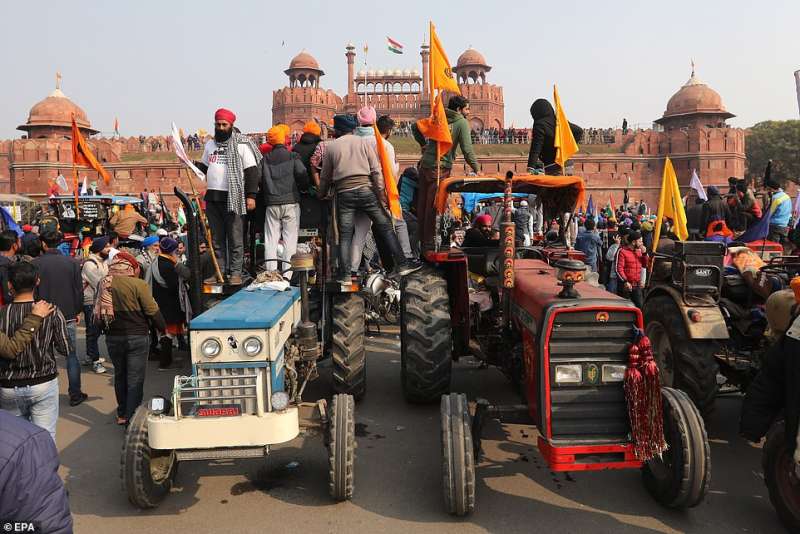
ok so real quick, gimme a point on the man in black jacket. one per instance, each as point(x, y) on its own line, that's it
point(715, 209)
point(310, 206)
point(61, 284)
point(284, 175)
point(543, 151)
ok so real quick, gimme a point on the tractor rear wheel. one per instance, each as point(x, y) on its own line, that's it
point(349, 354)
point(681, 477)
point(458, 460)
point(426, 342)
point(146, 473)
point(342, 447)
point(780, 475)
point(683, 363)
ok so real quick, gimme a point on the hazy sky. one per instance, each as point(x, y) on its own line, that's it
point(153, 62)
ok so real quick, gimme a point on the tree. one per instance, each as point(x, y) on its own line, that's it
point(778, 141)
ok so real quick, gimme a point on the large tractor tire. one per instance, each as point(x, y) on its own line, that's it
point(426, 342)
point(780, 475)
point(683, 363)
point(681, 477)
point(458, 460)
point(342, 447)
point(349, 354)
point(146, 473)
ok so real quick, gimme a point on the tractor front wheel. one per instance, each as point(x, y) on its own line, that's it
point(681, 477)
point(426, 342)
point(146, 473)
point(341, 447)
point(349, 354)
point(458, 460)
point(683, 363)
point(780, 475)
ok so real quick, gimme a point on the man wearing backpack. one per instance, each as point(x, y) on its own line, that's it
point(283, 176)
point(94, 269)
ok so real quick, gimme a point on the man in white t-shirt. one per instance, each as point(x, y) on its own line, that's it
point(231, 163)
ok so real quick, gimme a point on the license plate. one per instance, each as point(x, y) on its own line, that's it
point(219, 410)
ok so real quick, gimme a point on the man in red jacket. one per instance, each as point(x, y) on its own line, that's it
point(631, 258)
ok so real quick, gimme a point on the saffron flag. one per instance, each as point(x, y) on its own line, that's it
point(697, 185)
point(441, 75)
point(670, 205)
point(387, 168)
point(81, 155)
point(565, 143)
point(393, 45)
point(435, 127)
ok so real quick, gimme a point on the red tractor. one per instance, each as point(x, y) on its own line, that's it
point(569, 347)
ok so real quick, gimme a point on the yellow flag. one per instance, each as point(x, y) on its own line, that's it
point(441, 75)
point(670, 205)
point(565, 143)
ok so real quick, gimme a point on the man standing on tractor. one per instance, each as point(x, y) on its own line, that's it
point(631, 258)
point(352, 170)
point(457, 112)
point(542, 155)
point(231, 163)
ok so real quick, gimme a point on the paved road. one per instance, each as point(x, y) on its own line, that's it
point(397, 476)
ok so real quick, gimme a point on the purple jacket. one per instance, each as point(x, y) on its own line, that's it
point(30, 488)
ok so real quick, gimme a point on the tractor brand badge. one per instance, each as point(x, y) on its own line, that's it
point(592, 373)
point(601, 317)
point(703, 272)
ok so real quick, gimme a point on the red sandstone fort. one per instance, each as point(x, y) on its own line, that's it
point(692, 131)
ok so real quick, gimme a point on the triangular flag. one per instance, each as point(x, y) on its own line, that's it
point(565, 143)
point(436, 128)
point(441, 75)
point(61, 182)
point(82, 155)
point(670, 205)
point(84, 187)
point(697, 186)
point(590, 206)
point(180, 151)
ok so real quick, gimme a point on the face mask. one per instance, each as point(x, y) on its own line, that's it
point(220, 136)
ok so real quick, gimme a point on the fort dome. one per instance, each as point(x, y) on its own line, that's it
point(304, 60)
point(471, 57)
point(56, 110)
point(693, 98)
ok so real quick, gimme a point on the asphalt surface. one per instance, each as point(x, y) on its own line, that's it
point(398, 473)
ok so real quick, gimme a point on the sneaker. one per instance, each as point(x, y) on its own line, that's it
point(101, 360)
point(406, 268)
point(235, 280)
point(76, 400)
point(98, 368)
point(210, 281)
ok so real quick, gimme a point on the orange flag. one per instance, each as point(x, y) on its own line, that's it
point(435, 127)
point(81, 155)
point(387, 168)
point(441, 75)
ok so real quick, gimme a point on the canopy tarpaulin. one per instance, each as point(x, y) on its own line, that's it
point(559, 194)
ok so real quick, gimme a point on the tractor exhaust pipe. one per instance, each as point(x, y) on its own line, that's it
point(310, 348)
point(508, 229)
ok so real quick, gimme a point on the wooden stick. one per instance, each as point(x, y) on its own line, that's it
point(204, 220)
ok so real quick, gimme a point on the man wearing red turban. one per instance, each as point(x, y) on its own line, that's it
point(231, 162)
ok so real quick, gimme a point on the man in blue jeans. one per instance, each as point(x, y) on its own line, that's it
point(61, 284)
point(351, 168)
point(29, 382)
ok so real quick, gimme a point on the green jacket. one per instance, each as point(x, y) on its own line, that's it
point(459, 130)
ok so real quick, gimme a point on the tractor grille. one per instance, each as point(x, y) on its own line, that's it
point(215, 386)
point(591, 410)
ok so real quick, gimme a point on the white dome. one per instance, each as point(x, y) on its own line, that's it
point(380, 73)
point(362, 73)
point(415, 72)
point(398, 72)
point(371, 73)
point(407, 72)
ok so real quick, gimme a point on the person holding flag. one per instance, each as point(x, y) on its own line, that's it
point(440, 135)
point(543, 151)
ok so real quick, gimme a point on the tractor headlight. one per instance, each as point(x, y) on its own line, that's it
point(280, 401)
point(252, 346)
point(569, 374)
point(211, 347)
point(159, 405)
point(613, 373)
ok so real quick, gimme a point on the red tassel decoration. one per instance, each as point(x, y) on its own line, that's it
point(643, 396)
point(655, 434)
point(634, 396)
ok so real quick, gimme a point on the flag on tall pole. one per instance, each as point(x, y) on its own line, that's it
point(116, 126)
point(393, 45)
point(441, 79)
point(697, 185)
point(82, 155)
point(565, 143)
point(670, 205)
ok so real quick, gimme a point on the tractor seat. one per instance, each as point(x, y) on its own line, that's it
point(485, 261)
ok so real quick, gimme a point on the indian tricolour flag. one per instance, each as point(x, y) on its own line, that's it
point(394, 46)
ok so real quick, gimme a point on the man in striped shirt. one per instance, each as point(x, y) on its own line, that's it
point(29, 382)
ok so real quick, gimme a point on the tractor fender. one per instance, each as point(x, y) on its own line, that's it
point(712, 323)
